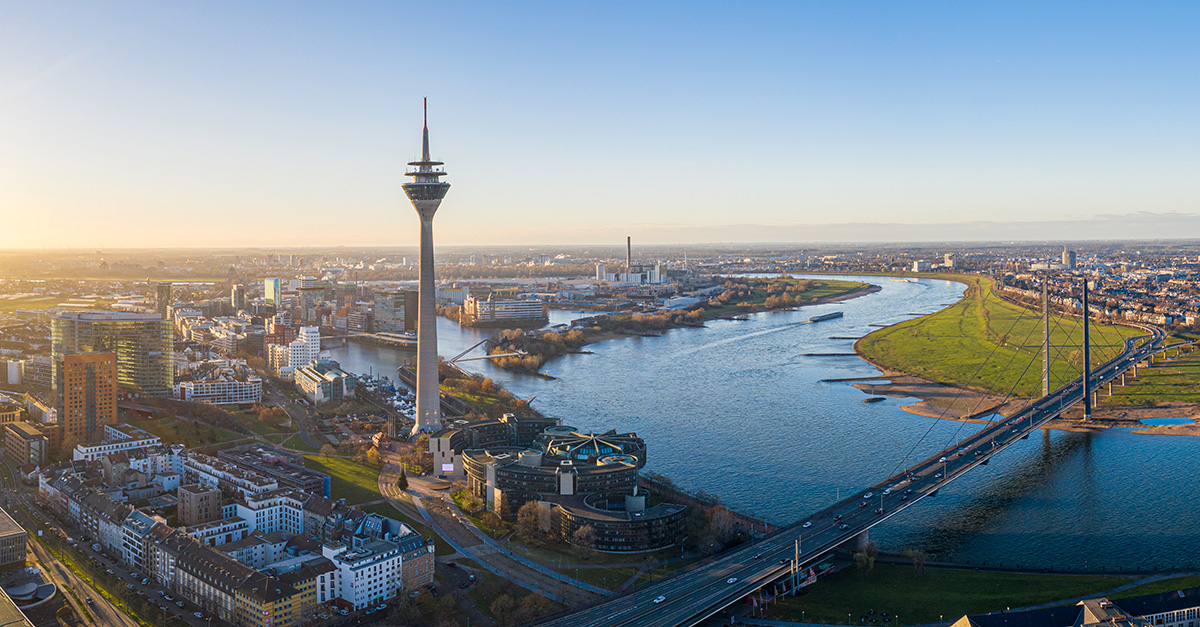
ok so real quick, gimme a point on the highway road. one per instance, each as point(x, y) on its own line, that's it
point(689, 598)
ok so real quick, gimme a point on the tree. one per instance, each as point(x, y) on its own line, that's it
point(527, 519)
point(548, 519)
point(274, 416)
point(502, 609)
point(373, 456)
point(918, 560)
point(584, 540)
point(402, 481)
point(327, 450)
point(722, 524)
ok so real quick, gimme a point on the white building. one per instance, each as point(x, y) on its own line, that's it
point(368, 574)
point(306, 348)
point(481, 311)
point(117, 438)
point(214, 473)
point(219, 532)
point(280, 511)
point(134, 530)
point(230, 392)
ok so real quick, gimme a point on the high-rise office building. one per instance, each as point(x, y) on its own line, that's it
point(162, 298)
point(396, 311)
point(310, 297)
point(1069, 259)
point(144, 345)
point(237, 297)
point(87, 394)
point(426, 192)
point(272, 291)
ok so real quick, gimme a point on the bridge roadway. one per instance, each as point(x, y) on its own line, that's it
point(691, 597)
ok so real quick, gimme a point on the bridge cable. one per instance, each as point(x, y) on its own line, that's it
point(1016, 383)
point(1022, 311)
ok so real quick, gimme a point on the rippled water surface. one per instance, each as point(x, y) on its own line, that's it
point(737, 410)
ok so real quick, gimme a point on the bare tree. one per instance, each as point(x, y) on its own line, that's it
point(527, 519)
point(584, 539)
point(502, 609)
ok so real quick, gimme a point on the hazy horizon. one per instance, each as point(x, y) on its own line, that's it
point(289, 124)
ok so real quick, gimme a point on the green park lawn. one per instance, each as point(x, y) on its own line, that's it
point(355, 482)
point(948, 594)
point(175, 431)
point(986, 343)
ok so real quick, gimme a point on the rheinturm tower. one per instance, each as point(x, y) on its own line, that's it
point(426, 192)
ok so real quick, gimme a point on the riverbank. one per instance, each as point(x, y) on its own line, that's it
point(948, 402)
point(739, 299)
point(987, 344)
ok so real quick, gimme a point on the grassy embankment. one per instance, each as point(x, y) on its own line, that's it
point(1172, 381)
point(910, 598)
point(952, 345)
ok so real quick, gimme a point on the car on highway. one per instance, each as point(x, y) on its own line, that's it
point(844, 526)
point(944, 459)
point(659, 599)
point(878, 512)
point(838, 517)
point(868, 495)
point(863, 504)
point(807, 524)
point(887, 491)
point(731, 580)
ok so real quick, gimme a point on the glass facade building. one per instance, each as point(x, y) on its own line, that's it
point(144, 345)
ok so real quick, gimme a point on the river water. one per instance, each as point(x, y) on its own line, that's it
point(737, 410)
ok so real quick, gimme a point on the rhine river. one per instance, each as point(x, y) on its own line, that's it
point(736, 410)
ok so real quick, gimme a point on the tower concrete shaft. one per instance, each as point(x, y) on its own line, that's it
point(426, 192)
point(1087, 356)
point(1045, 336)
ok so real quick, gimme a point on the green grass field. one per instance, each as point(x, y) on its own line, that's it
point(175, 431)
point(986, 343)
point(1177, 380)
point(355, 482)
point(949, 594)
point(1166, 585)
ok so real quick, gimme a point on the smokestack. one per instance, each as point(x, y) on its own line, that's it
point(628, 254)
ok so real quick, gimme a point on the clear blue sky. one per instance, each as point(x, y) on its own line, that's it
point(288, 124)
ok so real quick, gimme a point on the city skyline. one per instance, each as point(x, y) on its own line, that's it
point(246, 125)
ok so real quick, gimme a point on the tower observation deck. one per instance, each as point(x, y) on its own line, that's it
point(426, 191)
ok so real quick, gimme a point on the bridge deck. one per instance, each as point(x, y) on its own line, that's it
point(688, 598)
